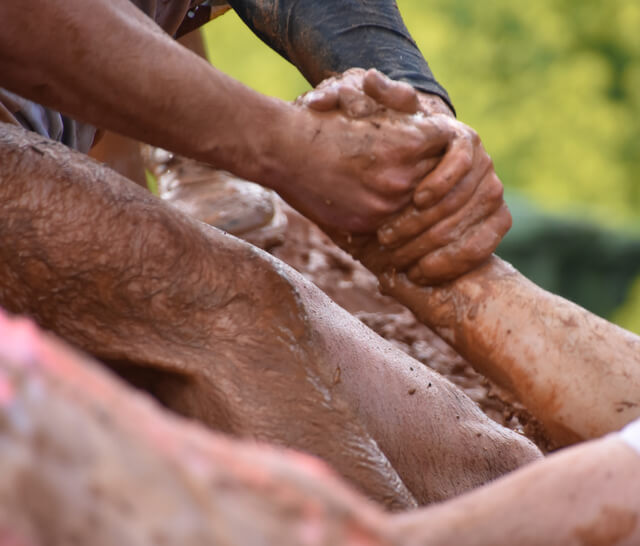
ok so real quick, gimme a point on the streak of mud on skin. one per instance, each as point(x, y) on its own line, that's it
point(353, 287)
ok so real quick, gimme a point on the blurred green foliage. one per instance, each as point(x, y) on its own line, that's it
point(553, 88)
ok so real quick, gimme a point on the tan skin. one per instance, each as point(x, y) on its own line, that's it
point(85, 459)
point(349, 174)
point(579, 374)
point(206, 321)
point(382, 169)
point(458, 215)
point(625, 459)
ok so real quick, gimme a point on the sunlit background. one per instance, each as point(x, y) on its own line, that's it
point(553, 88)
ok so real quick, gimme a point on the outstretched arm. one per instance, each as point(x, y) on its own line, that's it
point(578, 373)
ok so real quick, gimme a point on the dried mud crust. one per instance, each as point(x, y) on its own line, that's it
point(348, 283)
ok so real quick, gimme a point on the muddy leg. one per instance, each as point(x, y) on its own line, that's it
point(117, 272)
point(262, 352)
point(86, 460)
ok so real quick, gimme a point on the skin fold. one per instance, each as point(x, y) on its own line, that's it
point(87, 460)
point(140, 287)
point(204, 322)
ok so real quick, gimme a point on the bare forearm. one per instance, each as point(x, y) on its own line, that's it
point(106, 63)
point(585, 495)
point(578, 373)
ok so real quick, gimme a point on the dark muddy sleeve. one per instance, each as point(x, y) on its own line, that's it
point(323, 37)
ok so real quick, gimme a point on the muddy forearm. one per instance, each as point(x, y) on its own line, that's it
point(108, 64)
point(584, 495)
point(578, 373)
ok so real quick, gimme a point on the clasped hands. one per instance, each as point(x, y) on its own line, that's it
point(455, 216)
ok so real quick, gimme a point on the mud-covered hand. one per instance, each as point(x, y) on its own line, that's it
point(456, 221)
point(458, 216)
point(352, 173)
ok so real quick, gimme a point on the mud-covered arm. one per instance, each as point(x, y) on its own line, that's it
point(323, 38)
point(576, 372)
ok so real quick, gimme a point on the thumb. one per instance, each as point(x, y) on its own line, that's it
point(399, 96)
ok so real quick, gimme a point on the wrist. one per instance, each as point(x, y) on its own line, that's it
point(253, 145)
point(434, 104)
point(281, 145)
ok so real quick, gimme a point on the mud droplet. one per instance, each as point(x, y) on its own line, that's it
point(412, 392)
point(337, 375)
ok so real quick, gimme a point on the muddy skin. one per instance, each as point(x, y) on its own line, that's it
point(457, 216)
point(577, 373)
point(86, 460)
point(586, 495)
point(129, 279)
point(126, 277)
point(557, 358)
point(112, 51)
point(354, 288)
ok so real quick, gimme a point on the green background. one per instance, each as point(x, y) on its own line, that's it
point(553, 89)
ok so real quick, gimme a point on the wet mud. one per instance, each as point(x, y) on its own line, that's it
point(354, 288)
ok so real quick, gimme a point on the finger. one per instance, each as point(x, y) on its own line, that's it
point(412, 221)
point(403, 179)
point(353, 103)
point(395, 95)
point(465, 254)
point(322, 100)
point(455, 164)
point(486, 199)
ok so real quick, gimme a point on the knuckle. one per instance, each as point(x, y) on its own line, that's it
point(394, 183)
point(414, 142)
point(464, 162)
point(496, 189)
